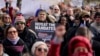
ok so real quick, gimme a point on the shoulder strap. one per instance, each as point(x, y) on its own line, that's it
point(33, 32)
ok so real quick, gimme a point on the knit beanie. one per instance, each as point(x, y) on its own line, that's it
point(79, 41)
point(36, 45)
point(20, 19)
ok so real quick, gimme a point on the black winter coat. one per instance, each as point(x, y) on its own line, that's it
point(28, 37)
point(15, 50)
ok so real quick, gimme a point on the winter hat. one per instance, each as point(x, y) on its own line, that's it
point(37, 12)
point(80, 44)
point(85, 13)
point(36, 45)
point(79, 41)
point(20, 19)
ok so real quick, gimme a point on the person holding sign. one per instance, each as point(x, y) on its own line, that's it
point(43, 17)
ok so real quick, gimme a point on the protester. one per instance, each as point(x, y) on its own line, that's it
point(97, 8)
point(70, 16)
point(74, 32)
point(43, 17)
point(56, 41)
point(27, 35)
point(6, 20)
point(80, 46)
point(85, 18)
point(13, 44)
point(96, 23)
point(56, 12)
point(9, 9)
point(29, 20)
point(63, 20)
point(39, 49)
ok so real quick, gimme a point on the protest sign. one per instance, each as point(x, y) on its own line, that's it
point(77, 3)
point(44, 31)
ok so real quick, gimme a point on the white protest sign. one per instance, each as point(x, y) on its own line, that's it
point(77, 3)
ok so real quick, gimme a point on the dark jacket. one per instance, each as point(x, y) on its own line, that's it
point(68, 36)
point(96, 47)
point(69, 21)
point(1, 33)
point(15, 50)
point(28, 37)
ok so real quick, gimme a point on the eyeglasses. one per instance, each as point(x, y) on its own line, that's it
point(42, 49)
point(12, 32)
point(19, 23)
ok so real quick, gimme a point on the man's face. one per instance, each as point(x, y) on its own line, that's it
point(20, 25)
point(60, 30)
point(98, 20)
point(42, 16)
point(77, 22)
point(56, 10)
point(70, 11)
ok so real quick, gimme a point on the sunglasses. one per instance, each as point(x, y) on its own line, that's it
point(42, 49)
point(19, 23)
point(12, 32)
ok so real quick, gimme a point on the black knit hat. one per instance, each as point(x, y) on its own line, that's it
point(97, 14)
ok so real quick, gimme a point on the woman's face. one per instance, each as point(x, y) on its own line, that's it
point(7, 19)
point(41, 51)
point(63, 20)
point(12, 33)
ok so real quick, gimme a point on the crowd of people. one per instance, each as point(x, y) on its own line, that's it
point(77, 31)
